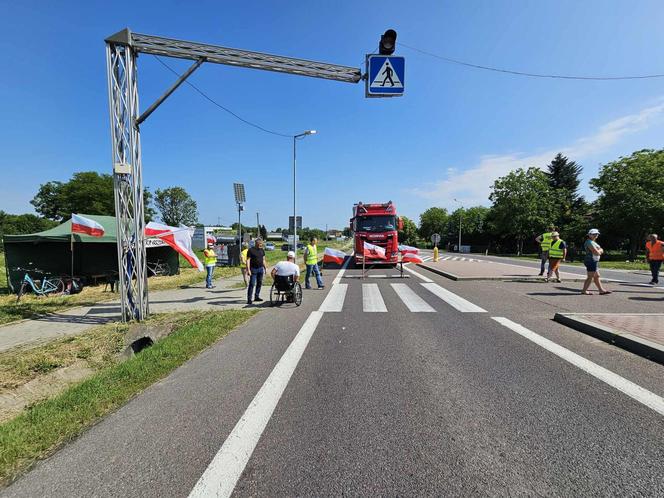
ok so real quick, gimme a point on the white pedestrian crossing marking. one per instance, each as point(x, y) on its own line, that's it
point(453, 300)
point(414, 302)
point(334, 302)
point(372, 301)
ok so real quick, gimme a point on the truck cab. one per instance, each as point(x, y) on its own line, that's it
point(376, 224)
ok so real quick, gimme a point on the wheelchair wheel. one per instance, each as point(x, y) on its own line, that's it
point(273, 293)
point(297, 294)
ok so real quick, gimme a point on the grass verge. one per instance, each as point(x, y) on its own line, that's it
point(46, 425)
point(606, 265)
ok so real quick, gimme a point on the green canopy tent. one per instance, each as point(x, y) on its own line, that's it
point(92, 257)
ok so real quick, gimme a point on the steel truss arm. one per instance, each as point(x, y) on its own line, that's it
point(180, 49)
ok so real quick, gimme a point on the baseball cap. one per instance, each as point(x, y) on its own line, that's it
point(555, 234)
point(593, 231)
point(291, 254)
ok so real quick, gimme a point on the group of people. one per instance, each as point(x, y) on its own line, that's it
point(254, 267)
point(554, 250)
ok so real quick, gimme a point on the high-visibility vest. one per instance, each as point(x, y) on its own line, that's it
point(312, 255)
point(656, 250)
point(210, 257)
point(546, 241)
point(555, 251)
point(243, 256)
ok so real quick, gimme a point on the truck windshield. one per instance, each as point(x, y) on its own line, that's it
point(376, 223)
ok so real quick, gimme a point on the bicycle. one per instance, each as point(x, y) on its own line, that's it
point(159, 269)
point(41, 287)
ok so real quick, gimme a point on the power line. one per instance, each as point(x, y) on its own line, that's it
point(532, 75)
point(210, 99)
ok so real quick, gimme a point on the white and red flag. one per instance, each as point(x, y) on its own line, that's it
point(333, 256)
point(373, 251)
point(403, 249)
point(409, 257)
point(179, 238)
point(81, 224)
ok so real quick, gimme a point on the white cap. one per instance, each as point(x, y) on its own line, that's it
point(291, 254)
point(593, 231)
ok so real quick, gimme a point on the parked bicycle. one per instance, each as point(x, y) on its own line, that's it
point(158, 268)
point(41, 287)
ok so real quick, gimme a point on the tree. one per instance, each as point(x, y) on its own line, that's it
point(630, 201)
point(176, 206)
point(87, 192)
point(16, 224)
point(433, 220)
point(565, 177)
point(263, 231)
point(474, 226)
point(523, 204)
point(408, 235)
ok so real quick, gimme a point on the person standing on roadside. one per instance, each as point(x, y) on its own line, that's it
point(654, 256)
point(311, 260)
point(557, 254)
point(256, 268)
point(210, 262)
point(243, 261)
point(591, 261)
point(544, 241)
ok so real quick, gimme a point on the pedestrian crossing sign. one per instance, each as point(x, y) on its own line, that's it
point(385, 76)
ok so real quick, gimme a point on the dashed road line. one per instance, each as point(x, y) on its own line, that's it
point(412, 301)
point(372, 300)
point(634, 391)
point(452, 299)
point(334, 301)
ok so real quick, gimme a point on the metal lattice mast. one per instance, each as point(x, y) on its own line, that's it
point(127, 178)
point(121, 51)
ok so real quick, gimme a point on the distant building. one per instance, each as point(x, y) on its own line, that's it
point(334, 233)
point(274, 236)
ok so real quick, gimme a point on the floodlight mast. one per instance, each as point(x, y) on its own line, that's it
point(122, 50)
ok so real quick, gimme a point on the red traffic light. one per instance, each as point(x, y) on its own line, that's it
point(388, 42)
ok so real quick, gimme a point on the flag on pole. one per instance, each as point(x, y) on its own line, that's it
point(81, 224)
point(179, 238)
point(373, 251)
point(409, 257)
point(403, 249)
point(333, 256)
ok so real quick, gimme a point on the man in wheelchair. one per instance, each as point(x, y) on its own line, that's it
point(286, 275)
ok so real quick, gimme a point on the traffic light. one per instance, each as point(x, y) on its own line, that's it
point(388, 42)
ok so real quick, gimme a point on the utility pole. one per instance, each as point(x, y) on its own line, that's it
point(258, 225)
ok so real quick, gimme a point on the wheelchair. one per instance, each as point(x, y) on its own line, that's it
point(285, 290)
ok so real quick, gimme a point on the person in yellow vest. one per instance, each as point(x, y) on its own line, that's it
point(311, 260)
point(544, 241)
point(210, 262)
point(243, 261)
point(557, 254)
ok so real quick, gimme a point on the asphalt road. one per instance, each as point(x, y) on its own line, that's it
point(417, 386)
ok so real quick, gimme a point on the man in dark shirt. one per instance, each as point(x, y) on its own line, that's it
point(256, 268)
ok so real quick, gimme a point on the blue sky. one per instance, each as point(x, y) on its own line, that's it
point(451, 135)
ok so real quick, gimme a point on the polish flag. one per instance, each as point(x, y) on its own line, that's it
point(179, 238)
point(374, 251)
point(409, 257)
point(408, 249)
point(81, 224)
point(333, 256)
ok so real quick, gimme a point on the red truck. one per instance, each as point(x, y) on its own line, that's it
point(378, 225)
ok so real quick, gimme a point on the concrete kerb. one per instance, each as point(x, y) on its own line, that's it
point(504, 278)
point(639, 345)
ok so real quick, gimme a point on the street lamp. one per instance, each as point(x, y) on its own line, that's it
point(460, 208)
point(295, 138)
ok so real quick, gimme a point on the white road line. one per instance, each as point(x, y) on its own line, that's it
point(222, 474)
point(414, 302)
point(372, 301)
point(650, 399)
point(418, 275)
point(447, 257)
point(453, 300)
point(427, 258)
point(334, 301)
point(337, 279)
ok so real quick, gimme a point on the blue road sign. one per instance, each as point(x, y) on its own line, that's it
point(385, 75)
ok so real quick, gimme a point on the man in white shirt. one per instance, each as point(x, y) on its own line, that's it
point(287, 268)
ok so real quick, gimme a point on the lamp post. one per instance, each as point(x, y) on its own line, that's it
point(295, 138)
point(460, 208)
